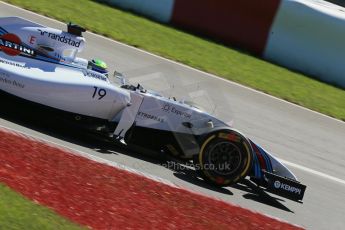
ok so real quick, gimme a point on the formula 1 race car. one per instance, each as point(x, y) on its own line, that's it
point(39, 66)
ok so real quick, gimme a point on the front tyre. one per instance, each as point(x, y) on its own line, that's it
point(225, 157)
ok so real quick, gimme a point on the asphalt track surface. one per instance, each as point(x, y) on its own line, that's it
point(311, 144)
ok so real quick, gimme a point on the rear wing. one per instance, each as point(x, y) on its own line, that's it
point(47, 42)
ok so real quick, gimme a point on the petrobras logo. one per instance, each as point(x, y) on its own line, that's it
point(279, 185)
point(62, 39)
point(10, 44)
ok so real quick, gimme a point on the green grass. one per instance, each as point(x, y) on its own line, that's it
point(196, 52)
point(16, 212)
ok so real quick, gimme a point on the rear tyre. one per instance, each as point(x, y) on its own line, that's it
point(225, 157)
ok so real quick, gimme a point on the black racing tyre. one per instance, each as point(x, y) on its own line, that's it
point(225, 157)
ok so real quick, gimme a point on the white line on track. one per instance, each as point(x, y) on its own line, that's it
point(303, 168)
point(312, 171)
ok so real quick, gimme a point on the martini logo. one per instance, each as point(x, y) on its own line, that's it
point(10, 45)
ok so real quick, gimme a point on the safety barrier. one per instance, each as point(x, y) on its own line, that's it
point(309, 36)
point(303, 35)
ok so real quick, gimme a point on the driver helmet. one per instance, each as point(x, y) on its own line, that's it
point(99, 66)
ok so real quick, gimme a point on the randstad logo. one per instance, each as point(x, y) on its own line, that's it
point(62, 39)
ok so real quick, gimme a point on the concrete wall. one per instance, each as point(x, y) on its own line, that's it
point(304, 35)
point(309, 36)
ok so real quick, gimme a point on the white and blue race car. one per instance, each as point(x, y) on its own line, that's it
point(39, 67)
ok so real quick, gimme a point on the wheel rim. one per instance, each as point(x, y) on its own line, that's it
point(225, 157)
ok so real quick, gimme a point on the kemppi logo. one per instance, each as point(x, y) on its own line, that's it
point(277, 184)
point(286, 187)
